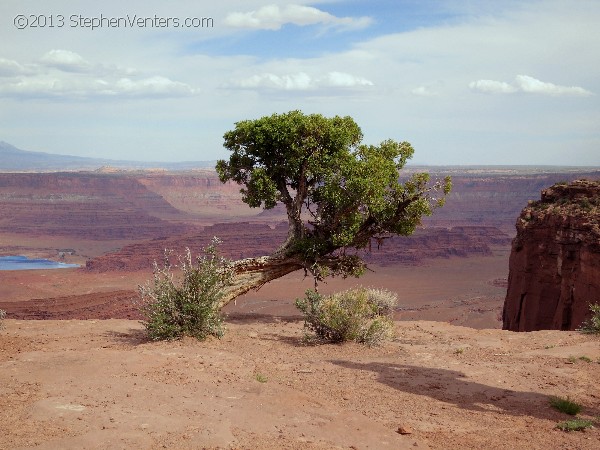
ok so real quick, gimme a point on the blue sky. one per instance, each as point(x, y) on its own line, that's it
point(466, 82)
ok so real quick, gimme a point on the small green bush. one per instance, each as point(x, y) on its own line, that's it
point(190, 305)
point(592, 325)
point(565, 405)
point(261, 378)
point(361, 315)
point(575, 425)
point(585, 204)
point(2, 316)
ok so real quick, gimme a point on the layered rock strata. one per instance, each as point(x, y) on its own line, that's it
point(554, 268)
point(250, 240)
point(84, 205)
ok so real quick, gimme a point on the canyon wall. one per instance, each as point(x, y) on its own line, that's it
point(249, 240)
point(146, 204)
point(84, 205)
point(136, 206)
point(484, 197)
point(200, 193)
point(494, 198)
point(554, 268)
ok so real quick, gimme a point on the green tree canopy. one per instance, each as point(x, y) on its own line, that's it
point(338, 192)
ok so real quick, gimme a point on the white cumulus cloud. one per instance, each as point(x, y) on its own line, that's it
point(33, 86)
point(423, 91)
point(62, 74)
point(290, 82)
point(301, 81)
point(152, 86)
point(10, 68)
point(77, 88)
point(525, 83)
point(492, 87)
point(273, 17)
point(530, 84)
point(65, 60)
point(341, 79)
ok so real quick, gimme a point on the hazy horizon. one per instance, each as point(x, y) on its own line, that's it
point(409, 164)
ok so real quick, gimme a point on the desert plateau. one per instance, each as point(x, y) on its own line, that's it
point(86, 376)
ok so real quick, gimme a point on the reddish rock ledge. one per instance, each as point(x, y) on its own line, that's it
point(554, 268)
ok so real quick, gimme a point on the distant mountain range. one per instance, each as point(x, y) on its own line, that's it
point(15, 159)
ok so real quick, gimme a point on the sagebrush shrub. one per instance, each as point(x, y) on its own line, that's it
point(186, 304)
point(2, 316)
point(386, 301)
point(592, 325)
point(361, 315)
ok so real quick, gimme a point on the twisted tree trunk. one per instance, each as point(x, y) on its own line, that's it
point(253, 273)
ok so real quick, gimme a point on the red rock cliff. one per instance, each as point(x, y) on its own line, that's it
point(554, 268)
point(84, 205)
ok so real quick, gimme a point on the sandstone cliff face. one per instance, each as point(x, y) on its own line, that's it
point(200, 193)
point(84, 205)
point(494, 199)
point(554, 268)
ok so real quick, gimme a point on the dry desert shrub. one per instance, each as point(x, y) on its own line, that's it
point(592, 325)
point(186, 304)
point(386, 301)
point(362, 315)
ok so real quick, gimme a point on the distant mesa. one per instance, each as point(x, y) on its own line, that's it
point(13, 159)
point(554, 268)
point(108, 169)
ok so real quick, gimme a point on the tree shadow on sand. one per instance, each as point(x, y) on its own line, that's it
point(132, 337)
point(454, 387)
point(252, 317)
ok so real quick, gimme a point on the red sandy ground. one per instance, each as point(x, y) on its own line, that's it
point(100, 384)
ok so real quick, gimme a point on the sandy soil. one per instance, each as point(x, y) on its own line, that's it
point(100, 384)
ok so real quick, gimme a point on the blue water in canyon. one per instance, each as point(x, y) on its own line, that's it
point(25, 263)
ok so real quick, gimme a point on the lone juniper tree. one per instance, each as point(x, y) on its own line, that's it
point(339, 194)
